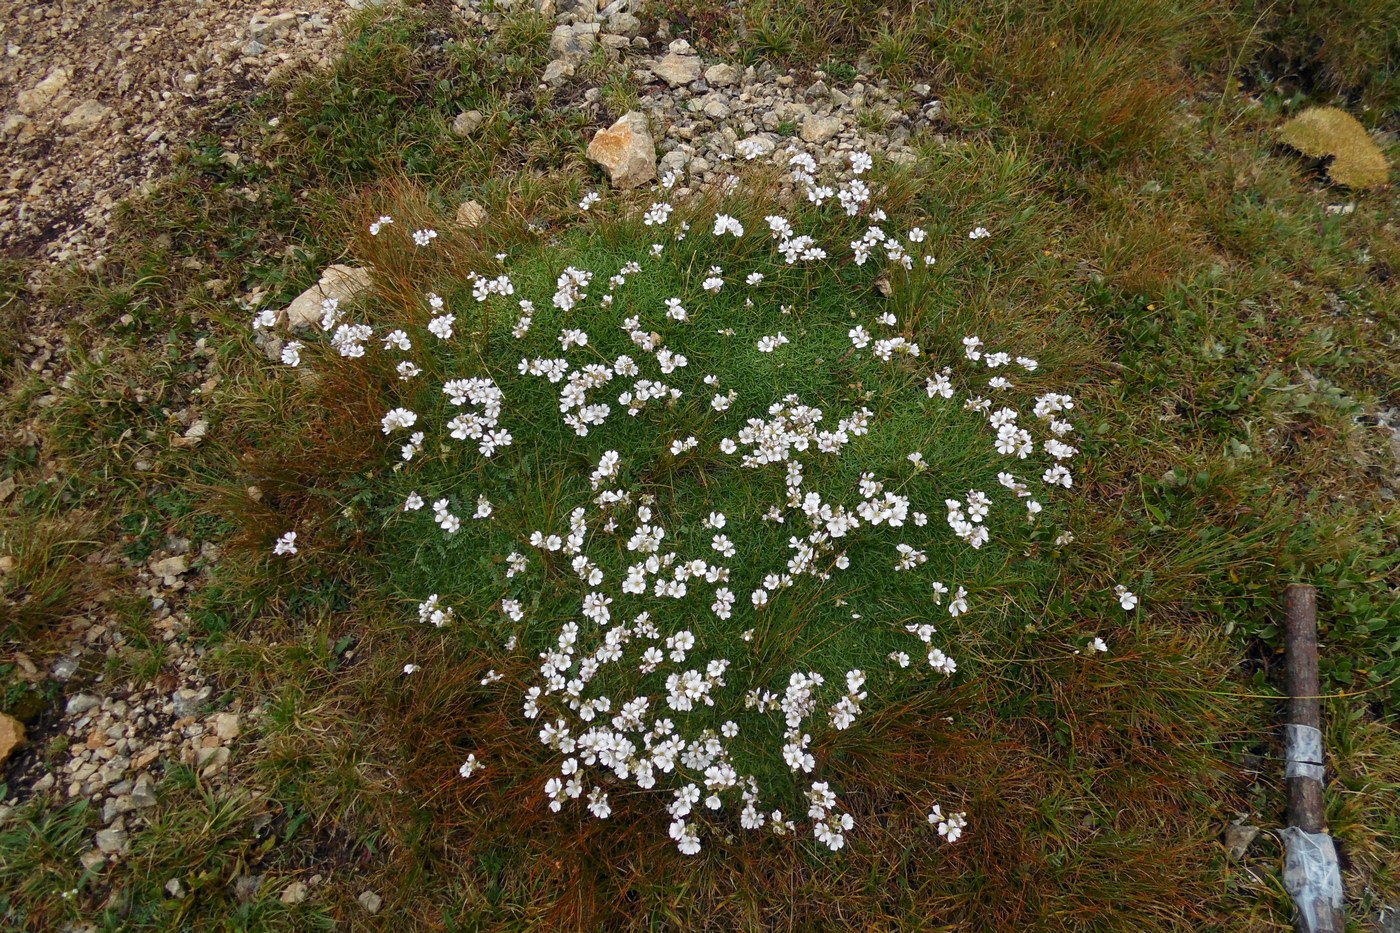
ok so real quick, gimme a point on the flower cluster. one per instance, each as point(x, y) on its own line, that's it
point(624, 691)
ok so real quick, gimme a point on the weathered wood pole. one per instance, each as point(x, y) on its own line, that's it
point(1310, 871)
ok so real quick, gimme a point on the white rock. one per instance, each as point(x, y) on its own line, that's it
point(187, 701)
point(111, 840)
point(626, 151)
point(44, 93)
point(467, 122)
point(717, 109)
point(677, 70)
point(721, 75)
point(226, 726)
point(763, 145)
point(143, 793)
point(573, 42)
point(470, 214)
point(211, 761)
point(625, 24)
point(80, 703)
point(171, 566)
point(370, 901)
point(557, 72)
point(87, 114)
point(269, 28)
point(293, 893)
point(817, 129)
point(339, 281)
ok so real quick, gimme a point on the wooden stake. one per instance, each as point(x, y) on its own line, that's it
point(1310, 863)
point(1305, 806)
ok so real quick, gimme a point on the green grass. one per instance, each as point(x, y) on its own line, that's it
point(542, 476)
point(1229, 340)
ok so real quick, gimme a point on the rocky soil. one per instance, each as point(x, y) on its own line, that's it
point(96, 96)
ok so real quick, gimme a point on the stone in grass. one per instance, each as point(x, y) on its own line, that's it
point(626, 151)
point(467, 122)
point(624, 24)
point(339, 281)
point(80, 703)
point(143, 793)
point(44, 93)
point(574, 43)
point(818, 130)
point(11, 735)
point(557, 72)
point(470, 214)
point(211, 761)
point(226, 726)
point(1320, 132)
point(87, 114)
point(187, 700)
point(1238, 836)
point(245, 888)
point(293, 893)
point(171, 567)
point(370, 901)
point(722, 75)
point(111, 840)
point(677, 70)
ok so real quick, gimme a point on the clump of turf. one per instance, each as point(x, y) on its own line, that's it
point(1326, 132)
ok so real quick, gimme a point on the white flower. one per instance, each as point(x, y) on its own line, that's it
point(413, 503)
point(979, 233)
point(589, 199)
point(1126, 598)
point(441, 326)
point(348, 339)
point(287, 544)
point(424, 237)
point(380, 224)
point(411, 668)
point(950, 827)
point(398, 418)
point(726, 224)
point(469, 767)
point(657, 214)
point(291, 353)
point(861, 162)
point(1098, 645)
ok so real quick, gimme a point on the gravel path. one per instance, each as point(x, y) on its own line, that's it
point(95, 95)
point(98, 96)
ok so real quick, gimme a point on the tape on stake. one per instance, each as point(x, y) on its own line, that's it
point(1311, 875)
point(1303, 752)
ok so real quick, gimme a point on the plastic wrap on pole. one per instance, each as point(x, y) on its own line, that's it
point(1311, 875)
point(1303, 752)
